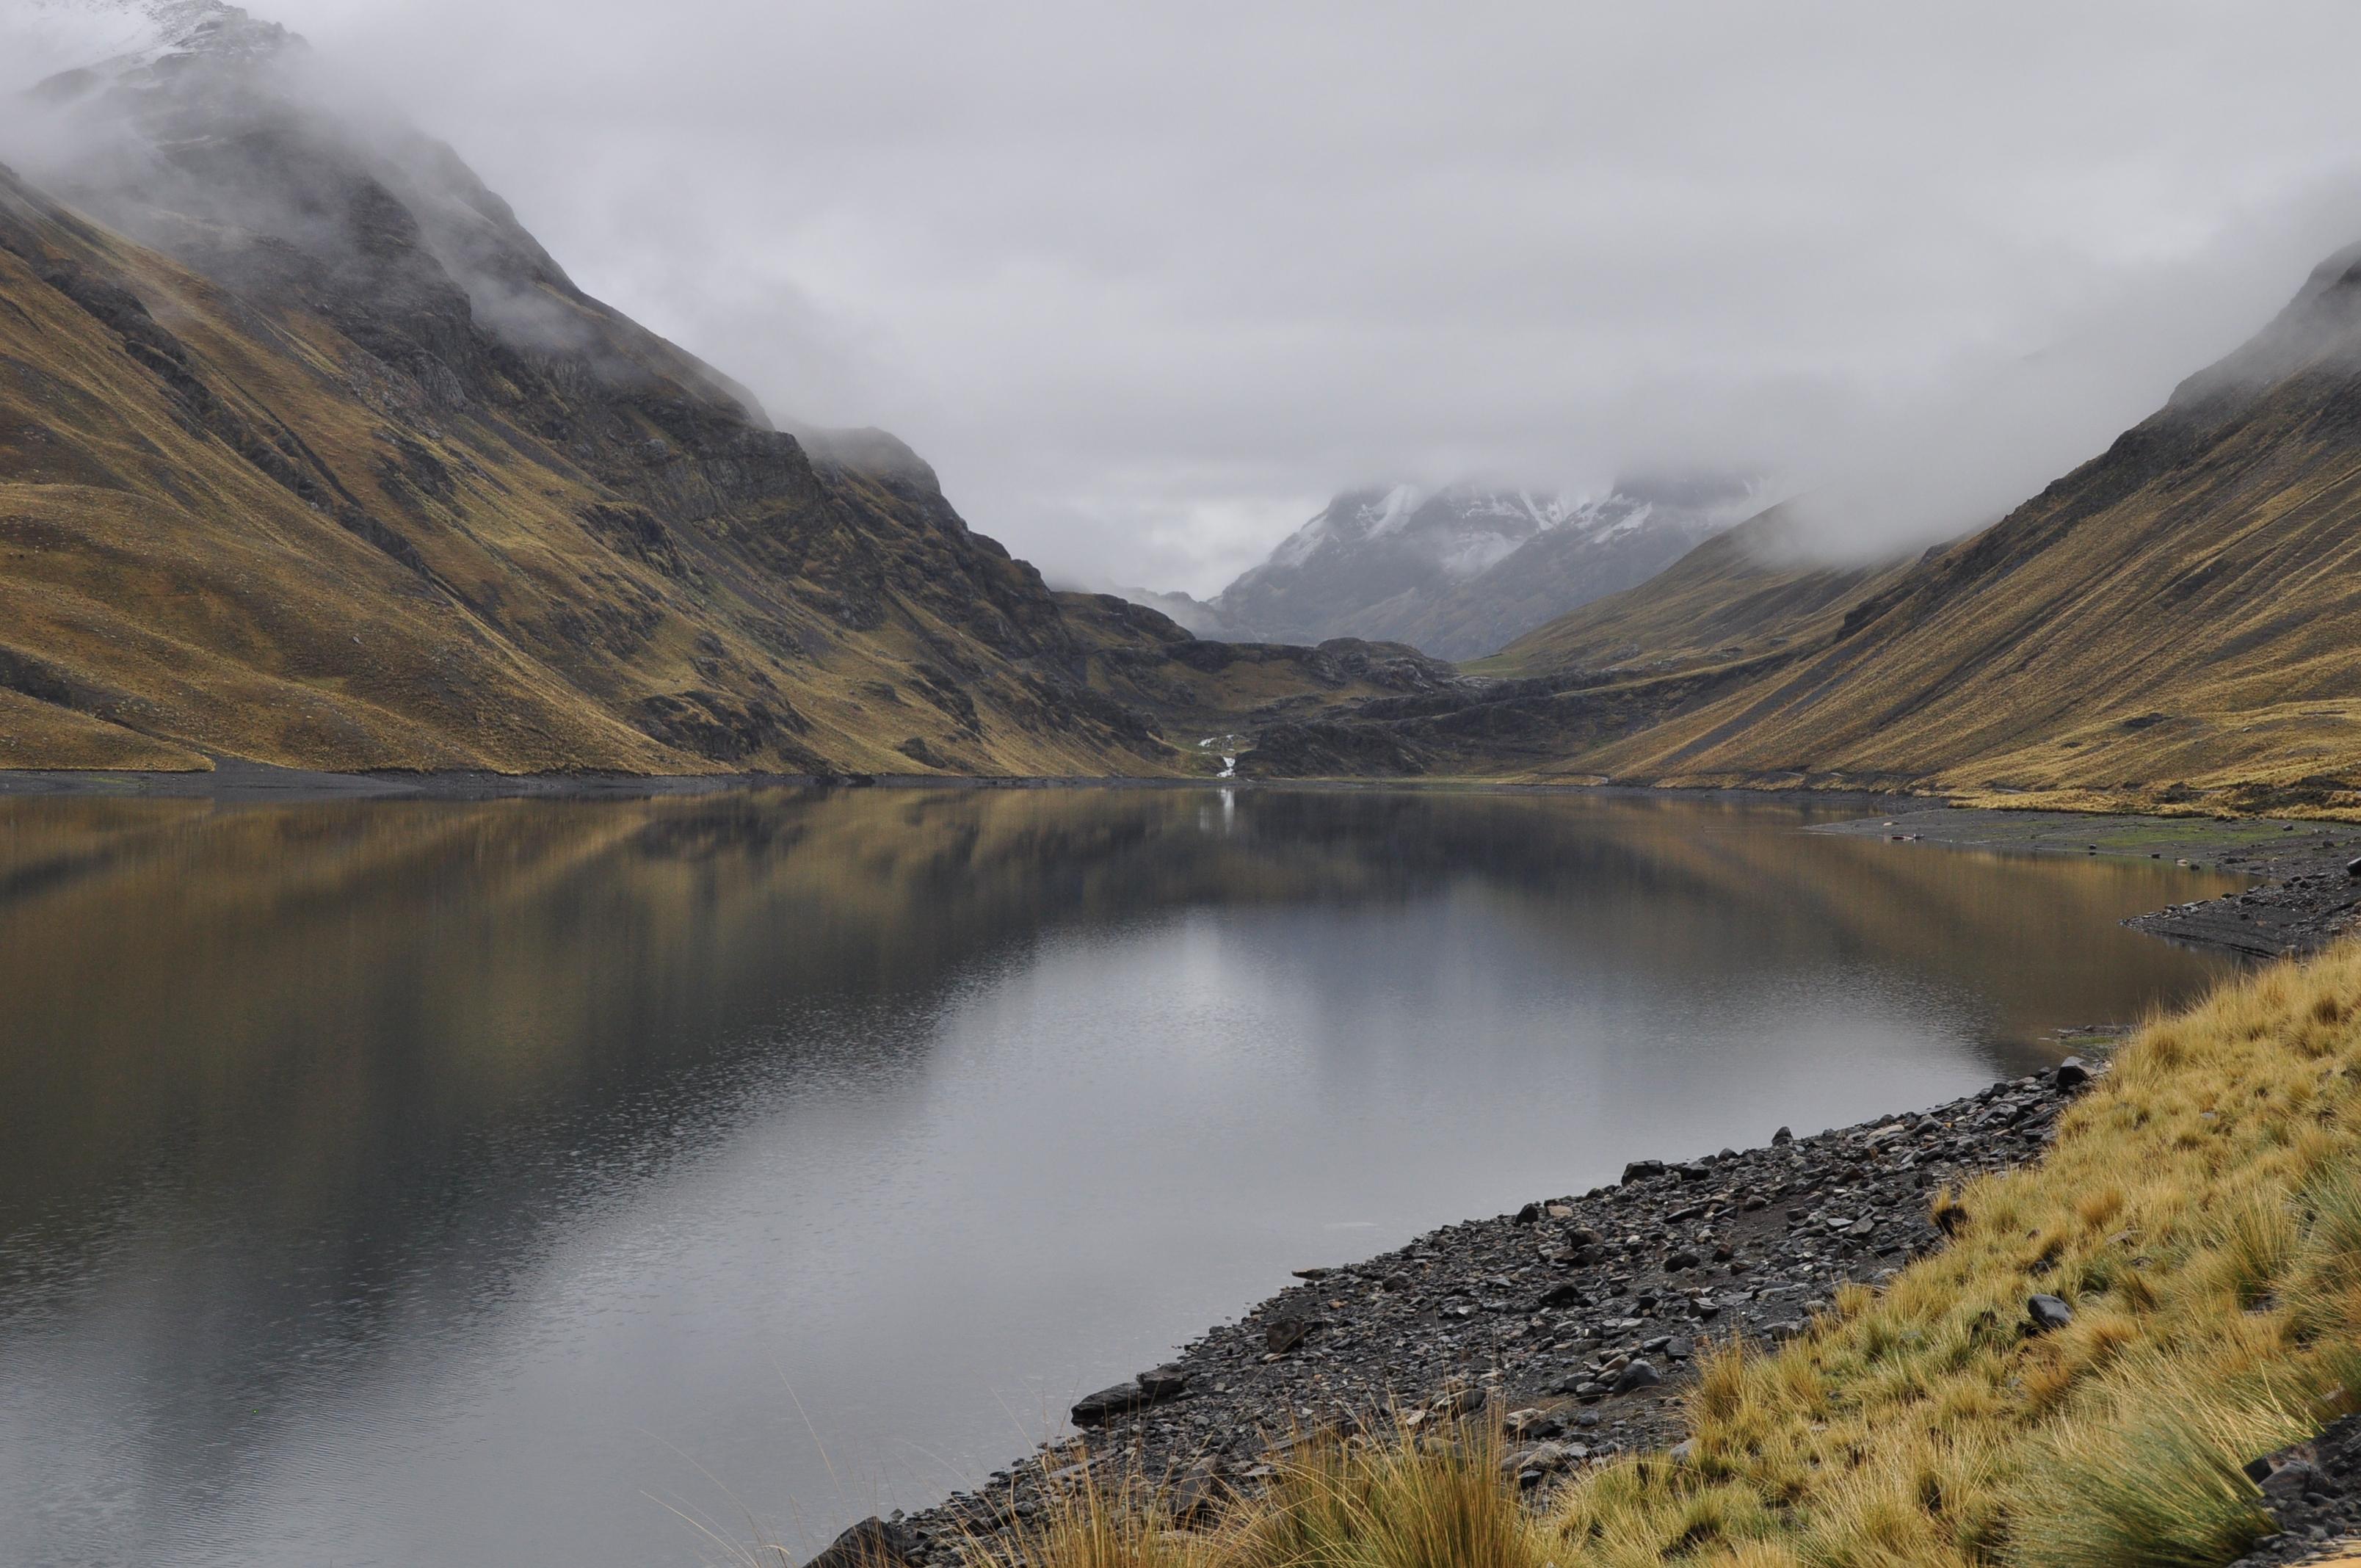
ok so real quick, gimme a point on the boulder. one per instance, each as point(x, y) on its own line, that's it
point(1197, 1498)
point(1165, 1382)
point(1092, 1410)
point(1285, 1333)
point(1642, 1170)
point(2072, 1073)
point(1638, 1374)
point(2043, 1313)
point(2293, 1479)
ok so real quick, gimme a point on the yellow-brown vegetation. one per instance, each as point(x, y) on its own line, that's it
point(2202, 1212)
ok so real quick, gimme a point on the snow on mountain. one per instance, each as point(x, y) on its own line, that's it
point(115, 38)
point(1463, 570)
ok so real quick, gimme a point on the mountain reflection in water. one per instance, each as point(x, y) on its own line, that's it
point(405, 1182)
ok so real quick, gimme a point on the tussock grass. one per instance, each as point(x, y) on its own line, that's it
point(1401, 1504)
point(1096, 1522)
point(2201, 1213)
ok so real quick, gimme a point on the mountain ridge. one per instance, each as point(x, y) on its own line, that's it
point(310, 455)
point(2175, 624)
point(1457, 571)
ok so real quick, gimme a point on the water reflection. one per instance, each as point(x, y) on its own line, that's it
point(425, 1182)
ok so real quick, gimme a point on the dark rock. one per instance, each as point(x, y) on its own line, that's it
point(1677, 1261)
point(1285, 1333)
point(1781, 1139)
point(871, 1543)
point(1166, 1382)
point(1092, 1410)
point(1529, 1213)
point(1638, 1374)
point(1198, 1496)
point(1565, 1295)
point(2293, 1479)
point(2072, 1073)
point(1642, 1170)
point(2043, 1313)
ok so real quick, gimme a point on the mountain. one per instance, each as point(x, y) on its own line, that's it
point(1754, 591)
point(1460, 571)
point(310, 454)
point(2175, 623)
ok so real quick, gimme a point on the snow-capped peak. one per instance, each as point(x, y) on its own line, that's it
point(1388, 514)
point(115, 36)
point(1462, 569)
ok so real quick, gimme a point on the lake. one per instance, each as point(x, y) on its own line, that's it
point(407, 1182)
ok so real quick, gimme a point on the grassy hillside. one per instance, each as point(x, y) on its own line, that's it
point(2177, 623)
point(1742, 594)
point(310, 455)
point(2200, 1212)
point(2180, 618)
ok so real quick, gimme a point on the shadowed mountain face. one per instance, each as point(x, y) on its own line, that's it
point(1460, 572)
point(310, 454)
point(2177, 620)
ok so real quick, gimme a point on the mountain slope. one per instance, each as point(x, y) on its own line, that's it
point(1459, 571)
point(1752, 590)
point(2180, 615)
point(2176, 621)
point(309, 453)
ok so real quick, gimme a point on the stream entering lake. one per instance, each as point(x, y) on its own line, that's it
point(433, 1183)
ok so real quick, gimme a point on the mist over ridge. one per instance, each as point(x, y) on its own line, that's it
point(1147, 294)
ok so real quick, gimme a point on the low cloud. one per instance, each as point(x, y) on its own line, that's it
point(1147, 285)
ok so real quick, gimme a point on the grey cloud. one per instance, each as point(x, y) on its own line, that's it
point(1147, 284)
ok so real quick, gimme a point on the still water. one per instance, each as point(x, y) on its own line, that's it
point(426, 1184)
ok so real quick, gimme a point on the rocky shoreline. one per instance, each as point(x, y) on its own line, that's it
point(1574, 1324)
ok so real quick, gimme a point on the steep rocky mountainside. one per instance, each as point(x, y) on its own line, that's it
point(1459, 571)
point(2176, 621)
point(310, 455)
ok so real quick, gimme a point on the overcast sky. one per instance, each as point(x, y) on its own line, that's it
point(1147, 282)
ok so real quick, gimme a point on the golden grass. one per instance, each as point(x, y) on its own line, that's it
point(2202, 1212)
point(163, 596)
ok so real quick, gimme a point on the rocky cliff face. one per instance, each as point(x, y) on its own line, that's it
point(1461, 572)
point(311, 453)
